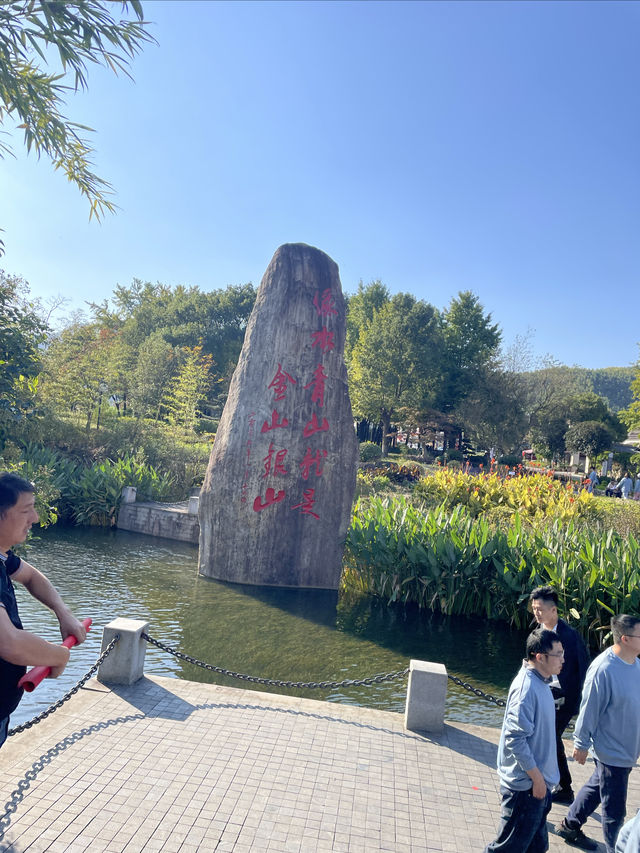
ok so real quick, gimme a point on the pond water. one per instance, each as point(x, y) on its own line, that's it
point(297, 635)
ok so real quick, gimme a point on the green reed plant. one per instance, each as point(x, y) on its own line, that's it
point(448, 561)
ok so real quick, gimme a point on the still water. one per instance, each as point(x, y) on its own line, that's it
point(285, 634)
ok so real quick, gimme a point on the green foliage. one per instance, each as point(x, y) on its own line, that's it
point(394, 363)
point(450, 562)
point(590, 437)
point(22, 333)
point(537, 498)
point(90, 494)
point(369, 451)
point(81, 32)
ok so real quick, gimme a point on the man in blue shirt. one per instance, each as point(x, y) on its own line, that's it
point(609, 724)
point(19, 648)
point(527, 762)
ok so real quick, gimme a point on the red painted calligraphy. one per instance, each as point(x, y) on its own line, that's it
point(270, 498)
point(275, 422)
point(274, 466)
point(280, 381)
point(324, 305)
point(306, 507)
point(314, 426)
point(322, 339)
point(309, 461)
point(317, 383)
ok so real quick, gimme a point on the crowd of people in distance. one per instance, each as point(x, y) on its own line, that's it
point(625, 488)
point(555, 682)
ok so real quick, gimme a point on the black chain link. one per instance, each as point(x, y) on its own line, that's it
point(67, 696)
point(477, 691)
point(254, 679)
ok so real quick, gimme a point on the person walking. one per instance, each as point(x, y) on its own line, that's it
point(609, 724)
point(625, 485)
point(636, 488)
point(20, 648)
point(544, 605)
point(527, 763)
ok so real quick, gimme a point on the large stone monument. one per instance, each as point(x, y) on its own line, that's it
point(276, 500)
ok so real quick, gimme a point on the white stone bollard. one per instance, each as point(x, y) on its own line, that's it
point(194, 503)
point(426, 694)
point(125, 663)
point(129, 494)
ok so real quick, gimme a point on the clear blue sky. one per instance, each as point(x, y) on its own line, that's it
point(438, 147)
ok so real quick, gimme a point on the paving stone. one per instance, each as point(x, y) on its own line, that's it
point(169, 766)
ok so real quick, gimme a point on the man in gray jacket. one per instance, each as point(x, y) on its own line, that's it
point(609, 724)
point(527, 762)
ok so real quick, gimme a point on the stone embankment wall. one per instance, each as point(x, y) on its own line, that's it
point(169, 521)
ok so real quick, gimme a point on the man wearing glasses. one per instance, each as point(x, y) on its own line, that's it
point(544, 605)
point(527, 763)
point(609, 724)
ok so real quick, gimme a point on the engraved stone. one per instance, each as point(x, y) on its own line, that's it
point(276, 500)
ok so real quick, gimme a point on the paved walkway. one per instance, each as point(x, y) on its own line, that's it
point(176, 766)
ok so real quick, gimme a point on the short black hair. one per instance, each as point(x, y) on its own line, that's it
point(540, 642)
point(546, 593)
point(11, 487)
point(623, 624)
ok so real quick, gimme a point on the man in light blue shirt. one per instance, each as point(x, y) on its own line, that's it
point(609, 724)
point(527, 761)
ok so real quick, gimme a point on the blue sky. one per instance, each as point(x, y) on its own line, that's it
point(436, 146)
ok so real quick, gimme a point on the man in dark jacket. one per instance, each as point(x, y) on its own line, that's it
point(544, 604)
point(20, 648)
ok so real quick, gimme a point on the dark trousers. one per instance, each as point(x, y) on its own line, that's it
point(523, 823)
point(607, 786)
point(562, 721)
point(4, 728)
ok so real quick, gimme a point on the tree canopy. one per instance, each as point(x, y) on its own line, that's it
point(33, 33)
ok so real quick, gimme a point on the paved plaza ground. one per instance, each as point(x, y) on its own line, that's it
point(176, 766)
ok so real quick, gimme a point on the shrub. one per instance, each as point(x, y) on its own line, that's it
point(370, 451)
point(450, 562)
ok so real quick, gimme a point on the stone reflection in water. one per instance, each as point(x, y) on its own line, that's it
point(288, 634)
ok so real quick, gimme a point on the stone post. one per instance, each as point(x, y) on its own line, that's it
point(129, 494)
point(426, 694)
point(125, 662)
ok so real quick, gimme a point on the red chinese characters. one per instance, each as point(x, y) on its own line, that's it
point(270, 498)
point(323, 339)
point(309, 461)
point(308, 501)
point(317, 385)
point(275, 423)
point(314, 426)
point(280, 381)
point(325, 304)
point(274, 465)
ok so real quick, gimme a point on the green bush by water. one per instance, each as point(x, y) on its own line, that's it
point(450, 562)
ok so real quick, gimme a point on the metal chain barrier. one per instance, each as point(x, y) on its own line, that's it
point(477, 691)
point(309, 685)
point(67, 696)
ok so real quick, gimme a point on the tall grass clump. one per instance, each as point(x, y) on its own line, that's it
point(449, 561)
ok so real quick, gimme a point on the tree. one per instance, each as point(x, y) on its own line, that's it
point(183, 401)
point(395, 364)
point(589, 437)
point(471, 344)
point(82, 32)
point(361, 309)
point(631, 415)
point(22, 334)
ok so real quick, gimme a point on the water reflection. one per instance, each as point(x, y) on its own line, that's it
point(274, 633)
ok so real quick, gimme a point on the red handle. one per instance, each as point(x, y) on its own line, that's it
point(31, 679)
